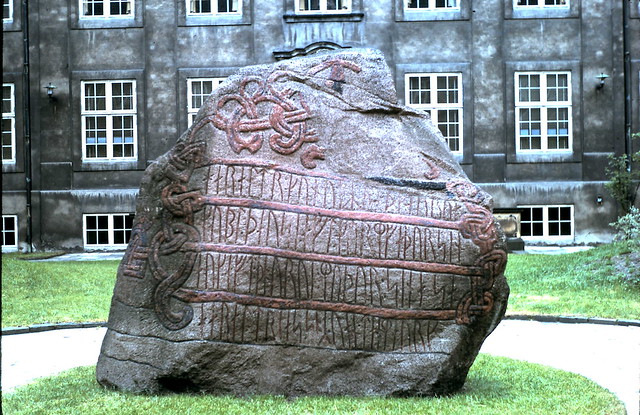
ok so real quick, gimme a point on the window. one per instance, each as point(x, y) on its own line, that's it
point(208, 7)
point(432, 4)
point(112, 230)
point(542, 3)
point(7, 10)
point(542, 222)
point(323, 6)
point(109, 121)
point(9, 232)
point(8, 123)
point(543, 111)
point(106, 8)
point(198, 89)
point(439, 94)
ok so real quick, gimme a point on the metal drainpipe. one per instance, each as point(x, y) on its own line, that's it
point(26, 100)
point(627, 82)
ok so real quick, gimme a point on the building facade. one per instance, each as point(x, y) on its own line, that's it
point(532, 96)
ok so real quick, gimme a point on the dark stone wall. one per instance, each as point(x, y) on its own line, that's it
point(161, 47)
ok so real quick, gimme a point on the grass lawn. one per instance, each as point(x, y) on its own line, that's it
point(580, 284)
point(495, 385)
point(55, 292)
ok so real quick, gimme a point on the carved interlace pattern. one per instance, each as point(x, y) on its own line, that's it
point(262, 111)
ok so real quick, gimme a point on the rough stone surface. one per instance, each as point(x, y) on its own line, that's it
point(307, 235)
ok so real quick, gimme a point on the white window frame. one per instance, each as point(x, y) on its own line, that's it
point(192, 110)
point(546, 222)
point(543, 105)
point(214, 9)
point(432, 5)
point(11, 117)
point(110, 231)
point(541, 5)
point(14, 247)
point(455, 142)
point(322, 7)
point(106, 10)
point(7, 4)
point(109, 114)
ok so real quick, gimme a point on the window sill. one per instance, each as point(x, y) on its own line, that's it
point(9, 167)
point(94, 248)
point(433, 15)
point(107, 23)
point(544, 156)
point(104, 165)
point(214, 20)
point(323, 17)
point(543, 13)
point(549, 240)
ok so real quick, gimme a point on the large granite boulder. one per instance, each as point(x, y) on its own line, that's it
point(307, 235)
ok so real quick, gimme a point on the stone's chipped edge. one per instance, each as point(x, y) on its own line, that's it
point(539, 318)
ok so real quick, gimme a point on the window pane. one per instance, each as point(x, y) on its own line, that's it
point(8, 223)
point(200, 90)
point(7, 99)
point(538, 229)
point(307, 5)
point(95, 97)
point(92, 237)
point(419, 87)
point(122, 225)
point(122, 96)
point(529, 88)
point(557, 87)
point(529, 129)
point(128, 220)
point(200, 6)
point(447, 89)
point(558, 128)
point(92, 7)
point(103, 222)
point(103, 237)
point(123, 136)
point(120, 7)
point(537, 214)
point(7, 9)
point(449, 125)
point(96, 136)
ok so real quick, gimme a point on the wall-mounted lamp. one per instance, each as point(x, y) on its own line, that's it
point(50, 89)
point(601, 78)
point(598, 200)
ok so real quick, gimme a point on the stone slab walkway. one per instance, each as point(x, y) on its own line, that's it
point(608, 355)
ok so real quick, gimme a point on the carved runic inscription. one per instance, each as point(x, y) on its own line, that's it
point(290, 257)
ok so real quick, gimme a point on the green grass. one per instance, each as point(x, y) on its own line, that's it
point(580, 284)
point(495, 385)
point(55, 292)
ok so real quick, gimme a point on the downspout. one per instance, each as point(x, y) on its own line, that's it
point(627, 83)
point(26, 111)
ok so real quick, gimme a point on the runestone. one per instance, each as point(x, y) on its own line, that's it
point(307, 235)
